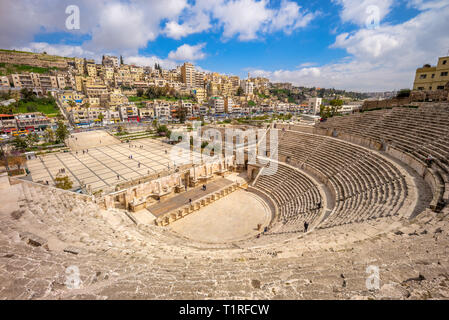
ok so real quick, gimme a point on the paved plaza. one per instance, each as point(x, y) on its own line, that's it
point(222, 222)
point(182, 199)
point(100, 166)
point(90, 139)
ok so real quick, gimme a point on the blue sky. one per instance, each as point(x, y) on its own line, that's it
point(310, 43)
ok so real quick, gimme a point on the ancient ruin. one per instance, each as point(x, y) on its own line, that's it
point(362, 183)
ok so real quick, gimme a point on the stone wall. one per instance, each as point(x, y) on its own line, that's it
point(35, 60)
point(388, 103)
point(415, 96)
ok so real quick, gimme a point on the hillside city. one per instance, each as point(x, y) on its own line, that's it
point(37, 90)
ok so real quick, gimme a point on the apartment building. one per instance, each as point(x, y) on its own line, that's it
point(191, 77)
point(188, 74)
point(228, 105)
point(247, 86)
point(36, 81)
point(146, 114)
point(71, 95)
point(111, 116)
point(162, 111)
point(93, 90)
point(432, 77)
point(200, 94)
point(91, 69)
point(110, 61)
point(217, 103)
point(129, 113)
point(34, 121)
point(314, 105)
point(8, 123)
point(24, 80)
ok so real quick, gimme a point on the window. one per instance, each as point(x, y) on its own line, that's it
point(444, 61)
point(433, 75)
point(423, 76)
point(430, 88)
point(444, 74)
point(420, 88)
point(440, 88)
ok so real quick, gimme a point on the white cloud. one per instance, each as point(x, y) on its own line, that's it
point(195, 18)
point(359, 11)
point(380, 59)
point(124, 27)
point(188, 53)
point(243, 18)
point(116, 26)
point(289, 18)
point(246, 19)
point(425, 5)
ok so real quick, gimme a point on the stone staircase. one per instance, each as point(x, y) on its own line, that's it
point(117, 259)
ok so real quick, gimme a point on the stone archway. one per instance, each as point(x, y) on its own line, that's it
point(252, 171)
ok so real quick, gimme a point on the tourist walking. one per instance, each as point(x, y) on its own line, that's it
point(429, 160)
point(306, 226)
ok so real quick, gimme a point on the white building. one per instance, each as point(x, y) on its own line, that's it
point(314, 105)
point(217, 103)
point(247, 86)
point(348, 109)
point(162, 111)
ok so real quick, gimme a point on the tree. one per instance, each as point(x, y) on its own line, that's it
point(17, 161)
point(49, 135)
point(139, 92)
point(335, 106)
point(62, 132)
point(122, 62)
point(19, 143)
point(101, 117)
point(163, 131)
point(332, 109)
point(182, 114)
point(63, 182)
point(239, 91)
point(72, 103)
point(27, 95)
point(32, 139)
point(403, 93)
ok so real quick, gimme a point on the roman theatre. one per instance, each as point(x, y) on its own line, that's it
point(152, 220)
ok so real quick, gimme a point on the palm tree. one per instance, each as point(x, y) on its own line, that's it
point(101, 117)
